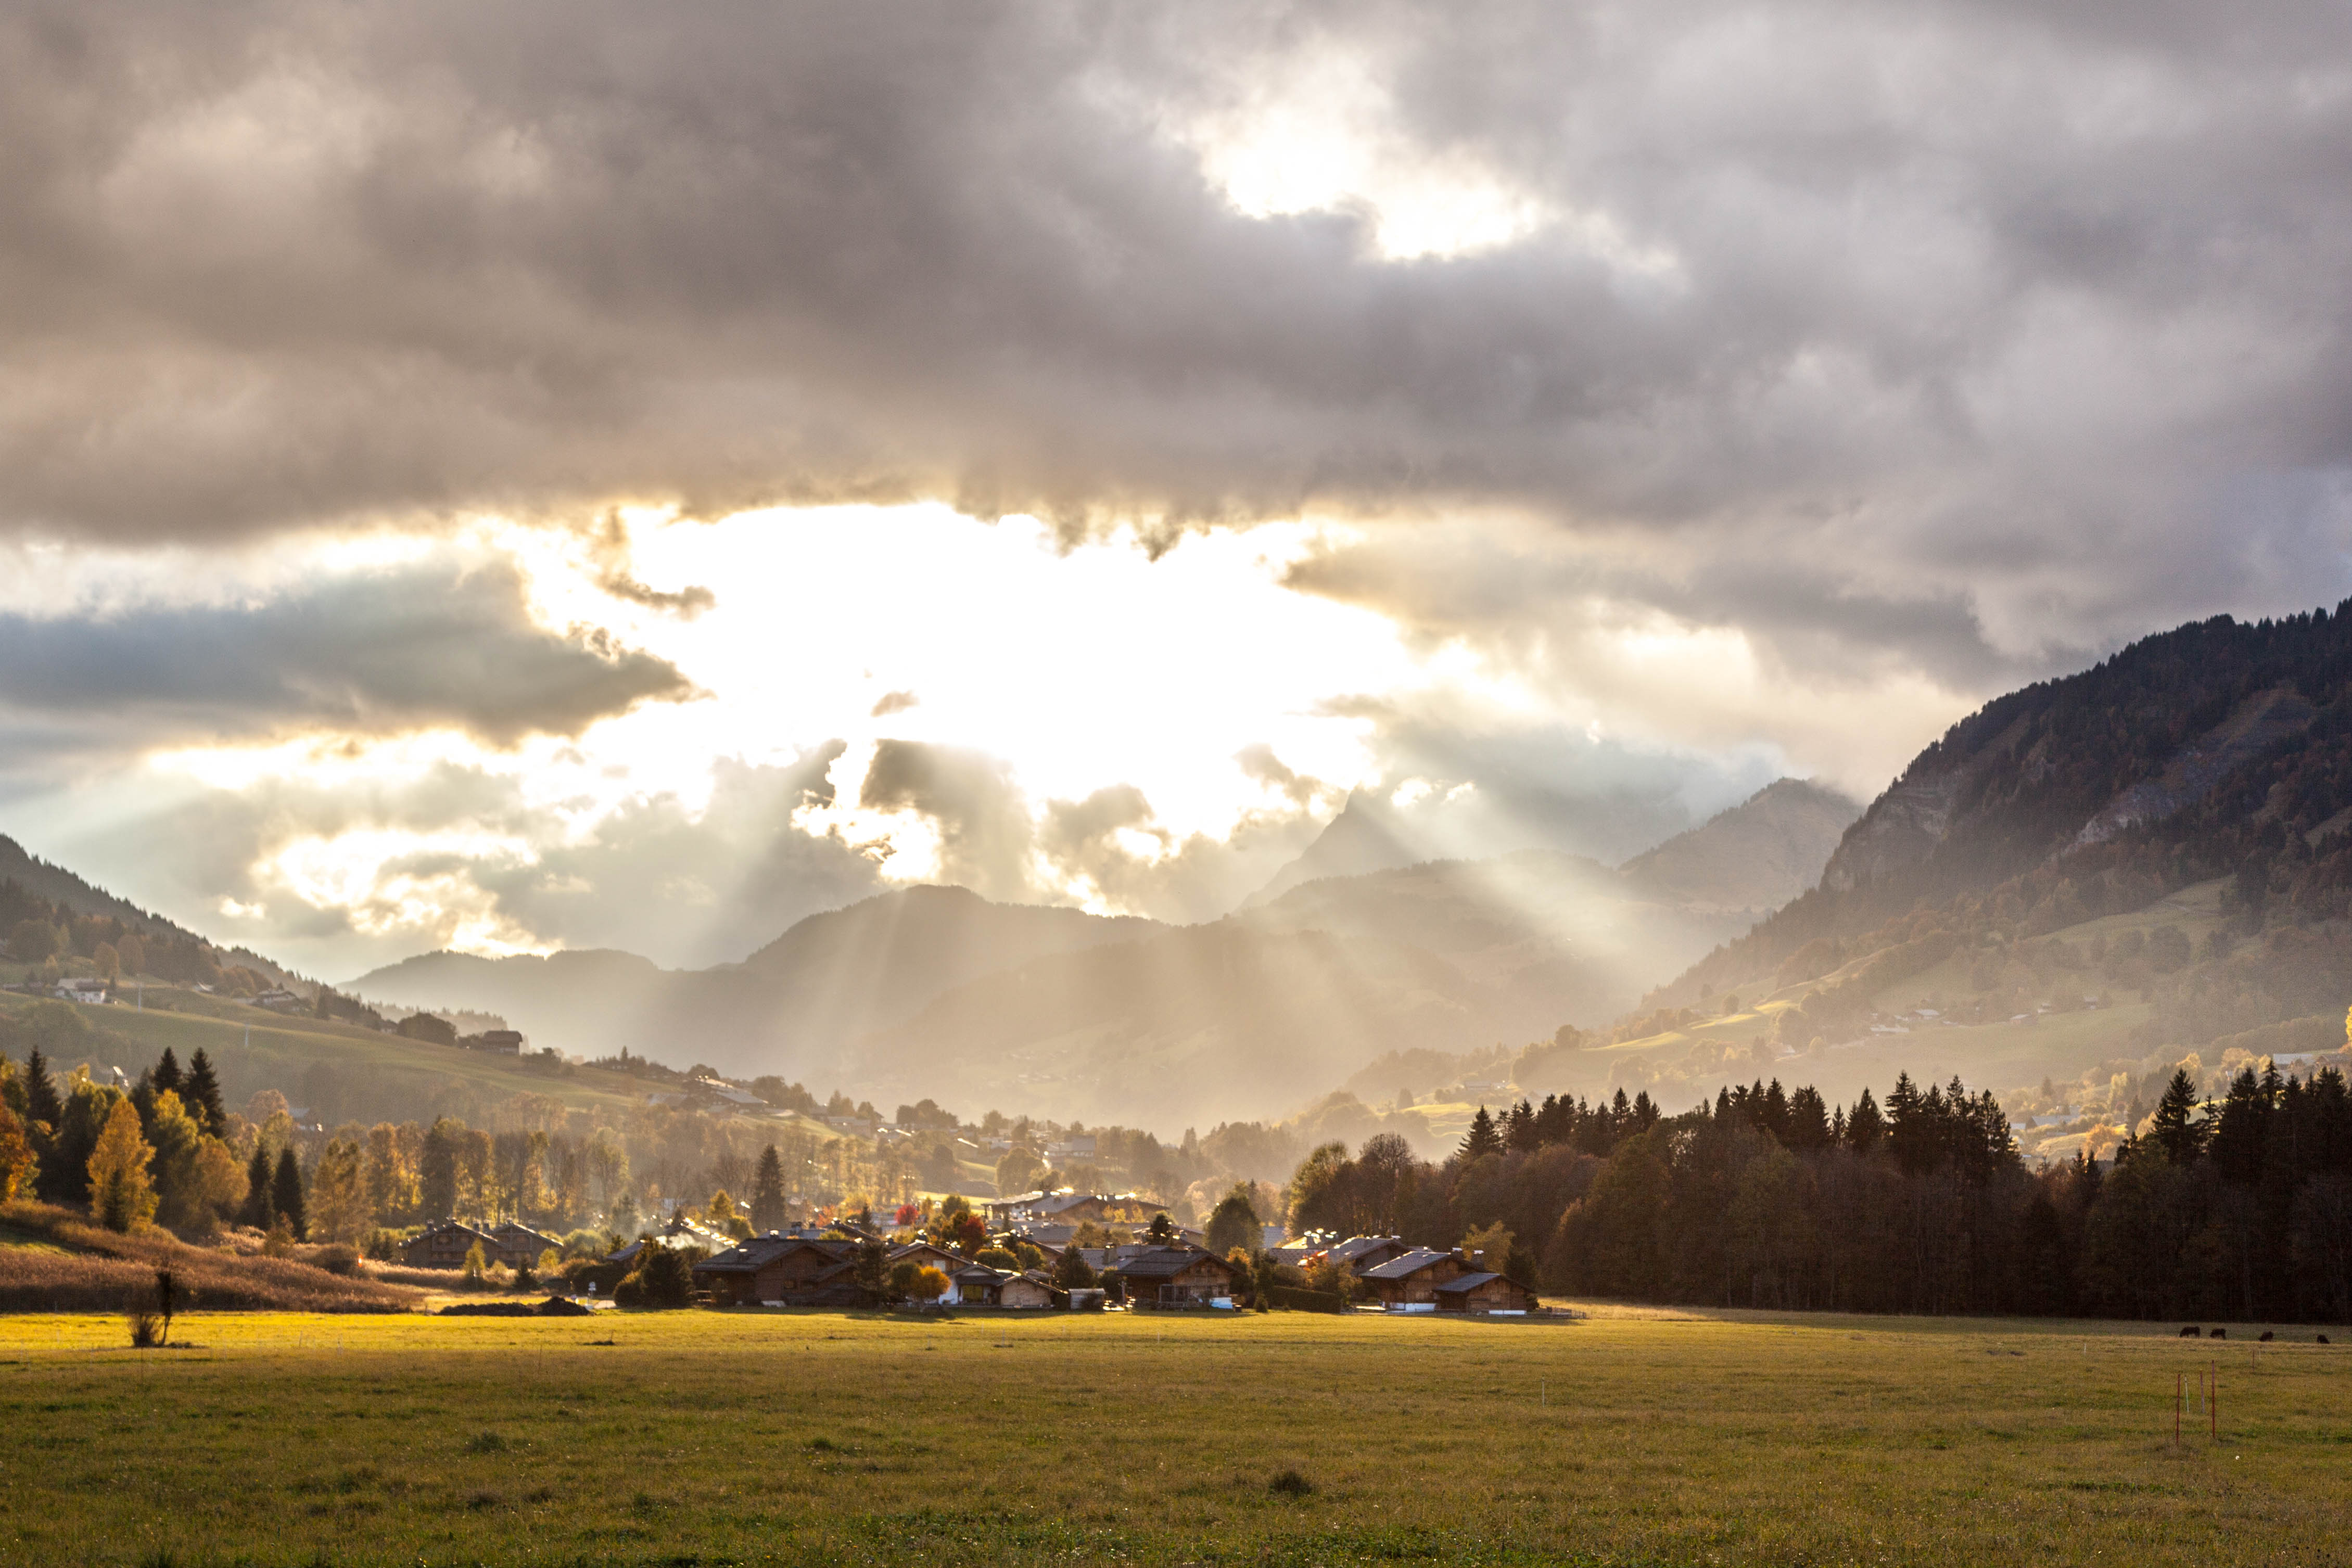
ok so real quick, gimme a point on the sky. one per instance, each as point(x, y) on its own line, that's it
point(525, 477)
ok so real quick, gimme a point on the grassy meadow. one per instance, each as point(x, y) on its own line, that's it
point(1626, 1437)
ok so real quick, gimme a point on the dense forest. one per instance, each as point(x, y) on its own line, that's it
point(2240, 1210)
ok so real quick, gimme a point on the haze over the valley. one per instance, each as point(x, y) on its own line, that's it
point(1303, 520)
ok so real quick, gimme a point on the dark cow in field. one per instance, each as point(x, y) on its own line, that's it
point(2219, 1334)
point(2323, 1339)
point(2191, 1332)
point(2268, 1336)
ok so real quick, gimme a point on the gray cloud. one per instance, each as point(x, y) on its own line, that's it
point(685, 887)
point(1999, 334)
point(1543, 786)
point(377, 651)
point(980, 814)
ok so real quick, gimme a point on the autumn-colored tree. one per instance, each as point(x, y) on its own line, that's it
point(339, 1206)
point(195, 1177)
point(963, 1232)
point(133, 953)
point(121, 1195)
point(18, 1165)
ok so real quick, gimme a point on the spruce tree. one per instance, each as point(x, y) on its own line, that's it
point(167, 1074)
point(1521, 1134)
point(258, 1210)
point(1864, 1127)
point(285, 1193)
point(767, 1209)
point(2181, 1138)
point(41, 1100)
point(1482, 1139)
point(203, 1095)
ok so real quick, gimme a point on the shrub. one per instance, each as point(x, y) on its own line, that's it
point(336, 1259)
point(146, 1324)
point(662, 1280)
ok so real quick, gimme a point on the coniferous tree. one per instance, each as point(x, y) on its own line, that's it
point(41, 1100)
point(1482, 1139)
point(1864, 1127)
point(2242, 1132)
point(285, 1193)
point(1910, 1123)
point(2175, 1132)
point(203, 1095)
point(260, 1211)
point(1519, 1132)
point(769, 1210)
point(166, 1076)
point(1072, 1272)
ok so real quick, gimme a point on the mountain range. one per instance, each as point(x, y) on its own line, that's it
point(936, 991)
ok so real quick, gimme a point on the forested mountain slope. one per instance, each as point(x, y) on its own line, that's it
point(2218, 749)
point(33, 889)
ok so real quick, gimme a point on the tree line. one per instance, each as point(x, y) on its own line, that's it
point(2236, 1209)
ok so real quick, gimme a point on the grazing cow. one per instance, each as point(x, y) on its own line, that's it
point(2268, 1336)
point(2219, 1334)
point(2191, 1332)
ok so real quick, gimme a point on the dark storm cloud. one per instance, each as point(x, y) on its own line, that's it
point(1998, 331)
point(375, 653)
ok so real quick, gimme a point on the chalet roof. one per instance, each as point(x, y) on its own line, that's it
point(1406, 1267)
point(1466, 1282)
point(1355, 1247)
point(509, 1230)
point(750, 1256)
point(1472, 1281)
point(1165, 1262)
point(439, 1225)
point(923, 1248)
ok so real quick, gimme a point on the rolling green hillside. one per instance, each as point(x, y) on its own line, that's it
point(338, 1071)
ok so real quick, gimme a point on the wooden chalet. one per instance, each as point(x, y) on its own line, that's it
point(1175, 1276)
point(978, 1285)
point(1412, 1278)
point(444, 1246)
point(1484, 1292)
point(784, 1272)
point(519, 1246)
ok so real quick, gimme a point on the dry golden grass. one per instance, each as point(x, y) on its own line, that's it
point(71, 1265)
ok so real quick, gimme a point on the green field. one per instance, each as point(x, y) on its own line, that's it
point(704, 1437)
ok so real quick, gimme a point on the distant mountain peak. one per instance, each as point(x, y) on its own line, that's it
point(1755, 856)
